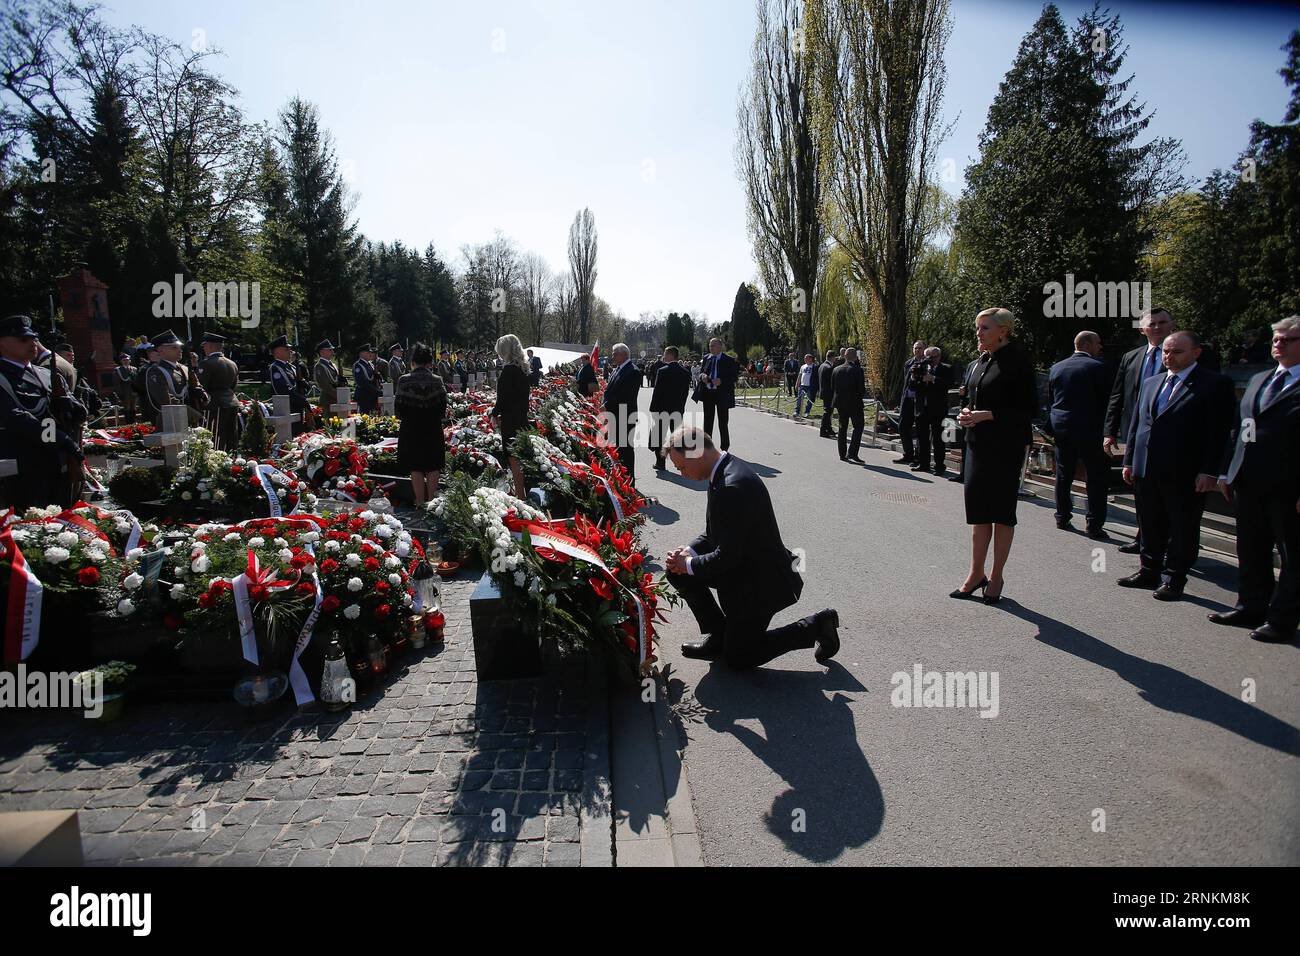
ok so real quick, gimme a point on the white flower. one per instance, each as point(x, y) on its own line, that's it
point(256, 542)
point(311, 537)
point(187, 496)
point(125, 607)
point(332, 546)
point(395, 579)
point(134, 553)
point(550, 599)
point(384, 531)
point(280, 492)
point(177, 592)
point(286, 555)
point(96, 557)
point(56, 555)
point(392, 562)
point(132, 581)
point(206, 496)
point(368, 516)
point(203, 486)
point(123, 527)
point(352, 612)
point(354, 584)
point(520, 579)
point(280, 543)
point(67, 539)
point(199, 547)
point(402, 550)
point(201, 564)
point(218, 496)
point(353, 560)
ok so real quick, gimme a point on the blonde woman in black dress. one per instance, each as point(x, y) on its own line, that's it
point(1002, 400)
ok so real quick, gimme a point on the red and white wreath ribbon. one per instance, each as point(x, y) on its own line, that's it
point(22, 622)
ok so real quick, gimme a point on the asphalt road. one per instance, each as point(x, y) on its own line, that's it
point(1121, 734)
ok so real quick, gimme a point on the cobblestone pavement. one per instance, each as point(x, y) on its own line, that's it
point(416, 774)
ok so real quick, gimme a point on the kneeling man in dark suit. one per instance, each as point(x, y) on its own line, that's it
point(741, 556)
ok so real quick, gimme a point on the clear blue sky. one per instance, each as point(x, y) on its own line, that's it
point(458, 118)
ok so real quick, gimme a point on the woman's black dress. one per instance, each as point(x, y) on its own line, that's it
point(421, 404)
point(512, 404)
point(1003, 383)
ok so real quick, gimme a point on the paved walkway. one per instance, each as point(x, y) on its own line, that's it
point(416, 775)
point(1114, 708)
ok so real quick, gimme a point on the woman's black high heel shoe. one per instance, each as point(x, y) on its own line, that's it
point(961, 595)
point(992, 598)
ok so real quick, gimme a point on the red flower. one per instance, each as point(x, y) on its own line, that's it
point(301, 560)
point(88, 576)
point(172, 621)
point(329, 566)
point(331, 451)
point(259, 592)
point(382, 586)
point(206, 599)
point(306, 589)
point(330, 604)
point(372, 564)
point(383, 611)
point(356, 524)
point(219, 585)
point(601, 587)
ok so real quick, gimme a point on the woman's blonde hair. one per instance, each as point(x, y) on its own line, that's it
point(511, 351)
point(1002, 317)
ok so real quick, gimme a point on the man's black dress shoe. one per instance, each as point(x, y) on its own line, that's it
point(1272, 634)
point(942, 473)
point(1131, 548)
point(844, 458)
point(1143, 579)
point(956, 477)
point(828, 637)
point(902, 461)
point(921, 468)
point(1064, 526)
point(1237, 617)
point(1098, 534)
point(856, 460)
point(708, 648)
point(1169, 591)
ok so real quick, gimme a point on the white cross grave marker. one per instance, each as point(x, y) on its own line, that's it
point(283, 419)
point(343, 405)
point(175, 429)
point(388, 401)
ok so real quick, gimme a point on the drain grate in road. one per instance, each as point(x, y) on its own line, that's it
point(901, 497)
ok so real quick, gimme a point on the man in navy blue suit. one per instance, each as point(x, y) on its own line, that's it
point(1080, 391)
point(1174, 455)
point(621, 392)
point(716, 388)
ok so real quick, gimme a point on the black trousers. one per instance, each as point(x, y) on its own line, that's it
point(906, 419)
point(1169, 517)
point(1096, 464)
point(827, 408)
point(789, 386)
point(627, 458)
point(746, 640)
point(1268, 519)
point(663, 424)
point(854, 415)
point(711, 408)
point(931, 437)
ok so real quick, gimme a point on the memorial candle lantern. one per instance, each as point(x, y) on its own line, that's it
point(377, 656)
point(337, 688)
point(434, 621)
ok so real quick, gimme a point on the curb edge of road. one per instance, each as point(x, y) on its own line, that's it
point(680, 807)
point(596, 838)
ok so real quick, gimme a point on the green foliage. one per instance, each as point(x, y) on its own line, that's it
point(131, 487)
point(257, 438)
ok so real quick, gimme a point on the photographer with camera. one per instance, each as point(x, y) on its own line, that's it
point(934, 380)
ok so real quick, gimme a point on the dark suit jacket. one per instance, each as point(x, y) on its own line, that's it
point(747, 563)
point(825, 385)
point(622, 389)
point(587, 383)
point(849, 385)
point(1188, 437)
point(728, 369)
point(908, 390)
point(932, 398)
point(1003, 384)
point(1124, 392)
point(1079, 399)
point(1270, 462)
point(672, 386)
point(512, 399)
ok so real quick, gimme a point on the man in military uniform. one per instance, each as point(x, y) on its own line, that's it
point(82, 388)
point(396, 366)
point(284, 380)
point(367, 383)
point(220, 377)
point(329, 377)
point(36, 424)
point(123, 376)
point(167, 382)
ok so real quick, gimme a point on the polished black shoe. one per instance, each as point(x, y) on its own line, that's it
point(844, 458)
point(1143, 579)
point(856, 460)
point(1272, 634)
point(660, 466)
point(961, 595)
point(1131, 548)
point(828, 636)
point(942, 473)
point(1169, 591)
point(956, 477)
point(708, 648)
point(902, 461)
point(1064, 526)
point(1098, 534)
point(921, 469)
point(1237, 617)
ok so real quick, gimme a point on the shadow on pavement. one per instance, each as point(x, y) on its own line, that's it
point(834, 801)
point(1165, 687)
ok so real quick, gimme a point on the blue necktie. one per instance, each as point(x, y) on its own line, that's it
point(1149, 368)
point(1275, 387)
point(1166, 392)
